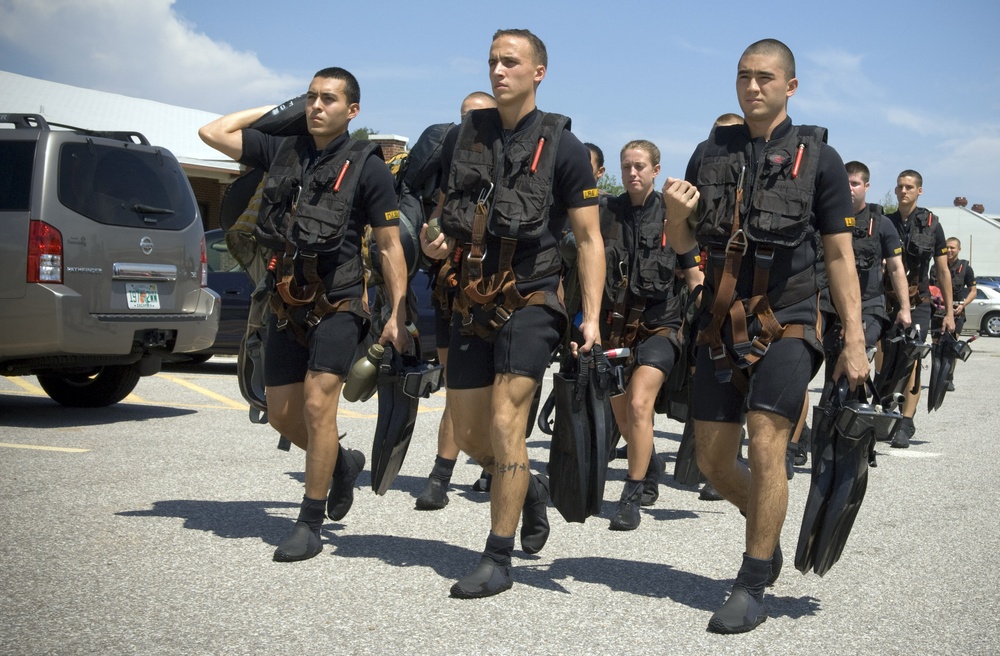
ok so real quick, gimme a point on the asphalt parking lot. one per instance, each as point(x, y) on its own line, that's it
point(148, 528)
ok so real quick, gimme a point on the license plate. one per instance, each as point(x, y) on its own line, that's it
point(142, 296)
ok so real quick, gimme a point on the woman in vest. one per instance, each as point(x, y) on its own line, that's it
point(643, 311)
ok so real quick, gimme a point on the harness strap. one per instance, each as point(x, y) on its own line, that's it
point(290, 294)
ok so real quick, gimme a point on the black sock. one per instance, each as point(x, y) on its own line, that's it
point(753, 575)
point(498, 549)
point(312, 513)
point(443, 469)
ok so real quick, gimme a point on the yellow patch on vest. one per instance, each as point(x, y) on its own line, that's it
point(697, 258)
point(590, 193)
point(849, 221)
point(389, 216)
point(944, 251)
point(898, 251)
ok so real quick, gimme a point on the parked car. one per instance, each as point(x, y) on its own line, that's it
point(228, 279)
point(104, 271)
point(983, 314)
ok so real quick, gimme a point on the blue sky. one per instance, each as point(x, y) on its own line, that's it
point(899, 84)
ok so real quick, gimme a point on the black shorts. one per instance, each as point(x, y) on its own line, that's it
point(333, 348)
point(524, 346)
point(658, 352)
point(778, 384)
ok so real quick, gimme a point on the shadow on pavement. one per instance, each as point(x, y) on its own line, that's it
point(42, 412)
point(226, 519)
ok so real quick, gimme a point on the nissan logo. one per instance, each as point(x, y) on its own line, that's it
point(146, 244)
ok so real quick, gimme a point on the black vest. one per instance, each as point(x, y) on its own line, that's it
point(918, 245)
point(868, 251)
point(636, 251)
point(519, 201)
point(776, 209)
point(304, 208)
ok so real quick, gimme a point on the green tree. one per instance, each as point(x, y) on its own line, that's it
point(609, 184)
point(889, 203)
point(361, 134)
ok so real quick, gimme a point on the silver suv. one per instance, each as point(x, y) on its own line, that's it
point(103, 260)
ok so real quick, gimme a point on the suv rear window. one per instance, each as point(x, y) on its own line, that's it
point(17, 159)
point(123, 186)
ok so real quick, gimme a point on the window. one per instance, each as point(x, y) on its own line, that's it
point(17, 159)
point(125, 186)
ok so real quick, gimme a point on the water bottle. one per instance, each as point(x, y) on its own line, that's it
point(363, 377)
point(433, 229)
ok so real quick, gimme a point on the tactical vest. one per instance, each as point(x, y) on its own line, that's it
point(636, 250)
point(639, 271)
point(304, 216)
point(515, 176)
point(918, 245)
point(761, 209)
point(501, 184)
point(957, 271)
point(868, 252)
point(309, 212)
point(776, 211)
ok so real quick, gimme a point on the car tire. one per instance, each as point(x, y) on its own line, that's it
point(102, 387)
point(991, 325)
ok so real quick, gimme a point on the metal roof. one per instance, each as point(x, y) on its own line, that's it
point(174, 128)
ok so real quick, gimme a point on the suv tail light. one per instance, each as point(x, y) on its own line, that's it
point(204, 264)
point(45, 253)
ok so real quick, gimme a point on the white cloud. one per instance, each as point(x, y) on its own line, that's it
point(137, 48)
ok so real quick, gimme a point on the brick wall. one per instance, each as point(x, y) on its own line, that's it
point(392, 144)
point(209, 193)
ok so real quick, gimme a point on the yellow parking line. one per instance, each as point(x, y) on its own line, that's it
point(63, 449)
point(207, 392)
point(28, 387)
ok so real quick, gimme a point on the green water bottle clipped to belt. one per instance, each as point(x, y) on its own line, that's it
point(363, 377)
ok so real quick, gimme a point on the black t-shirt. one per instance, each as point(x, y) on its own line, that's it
point(374, 204)
point(832, 213)
point(573, 186)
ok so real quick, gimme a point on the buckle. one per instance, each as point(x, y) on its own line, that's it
point(742, 349)
point(739, 239)
point(500, 317)
point(759, 348)
point(763, 258)
point(282, 324)
point(717, 354)
point(312, 319)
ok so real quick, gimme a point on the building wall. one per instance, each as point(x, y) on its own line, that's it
point(209, 194)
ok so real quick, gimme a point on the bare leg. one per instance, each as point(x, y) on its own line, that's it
point(284, 413)
point(912, 398)
point(447, 448)
point(768, 493)
point(322, 396)
point(716, 446)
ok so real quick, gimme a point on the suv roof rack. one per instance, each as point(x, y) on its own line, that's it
point(38, 122)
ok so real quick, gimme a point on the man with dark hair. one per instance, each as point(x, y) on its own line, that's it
point(923, 244)
point(765, 188)
point(320, 192)
point(874, 240)
point(516, 175)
